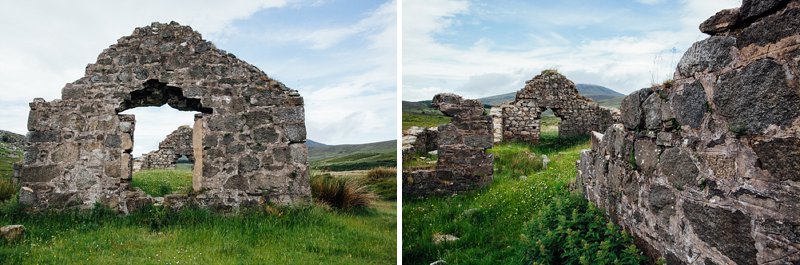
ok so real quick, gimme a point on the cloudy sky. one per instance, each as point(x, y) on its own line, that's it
point(481, 48)
point(340, 55)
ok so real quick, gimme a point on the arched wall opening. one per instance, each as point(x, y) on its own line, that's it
point(155, 111)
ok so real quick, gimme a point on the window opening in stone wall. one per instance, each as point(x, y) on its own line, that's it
point(550, 123)
point(162, 153)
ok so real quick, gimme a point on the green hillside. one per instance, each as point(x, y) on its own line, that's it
point(353, 156)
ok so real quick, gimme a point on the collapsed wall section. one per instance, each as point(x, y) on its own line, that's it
point(463, 162)
point(706, 169)
point(177, 144)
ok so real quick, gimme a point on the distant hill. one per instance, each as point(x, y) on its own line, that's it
point(352, 156)
point(11, 150)
point(313, 144)
point(11, 138)
point(595, 92)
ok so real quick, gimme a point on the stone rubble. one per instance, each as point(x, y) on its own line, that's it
point(12, 233)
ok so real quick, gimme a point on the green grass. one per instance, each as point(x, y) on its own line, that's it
point(8, 156)
point(356, 161)
point(492, 222)
point(428, 119)
point(160, 182)
point(305, 235)
point(385, 188)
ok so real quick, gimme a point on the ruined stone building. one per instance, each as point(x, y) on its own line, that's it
point(706, 169)
point(521, 119)
point(248, 137)
point(463, 163)
point(176, 145)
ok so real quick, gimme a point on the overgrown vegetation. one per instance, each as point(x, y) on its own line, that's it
point(495, 225)
point(160, 182)
point(268, 235)
point(341, 193)
point(154, 235)
point(570, 230)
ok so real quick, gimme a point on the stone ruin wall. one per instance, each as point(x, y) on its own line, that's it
point(706, 169)
point(579, 115)
point(176, 144)
point(249, 137)
point(463, 162)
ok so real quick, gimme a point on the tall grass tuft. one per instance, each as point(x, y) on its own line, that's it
point(381, 173)
point(341, 193)
point(7, 189)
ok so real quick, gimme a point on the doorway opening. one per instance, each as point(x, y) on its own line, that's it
point(550, 123)
point(162, 152)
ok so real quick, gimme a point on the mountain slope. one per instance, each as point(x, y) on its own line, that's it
point(353, 156)
point(594, 92)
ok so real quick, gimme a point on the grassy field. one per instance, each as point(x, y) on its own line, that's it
point(511, 220)
point(356, 161)
point(350, 157)
point(160, 182)
point(311, 234)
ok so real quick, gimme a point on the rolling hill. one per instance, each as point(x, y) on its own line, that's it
point(599, 94)
point(352, 156)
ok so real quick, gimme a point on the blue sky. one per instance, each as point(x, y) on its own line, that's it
point(482, 48)
point(340, 55)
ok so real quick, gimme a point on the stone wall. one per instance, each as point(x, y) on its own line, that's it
point(176, 144)
point(579, 115)
point(706, 169)
point(249, 135)
point(419, 140)
point(463, 163)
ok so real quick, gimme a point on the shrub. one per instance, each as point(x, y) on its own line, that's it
point(570, 230)
point(7, 189)
point(342, 193)
point(381, 172)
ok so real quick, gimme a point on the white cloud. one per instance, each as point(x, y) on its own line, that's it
point(625, 62)
point(360, 104)
point(651, 2)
